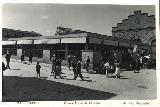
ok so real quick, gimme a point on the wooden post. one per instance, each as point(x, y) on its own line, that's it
point(66, 51)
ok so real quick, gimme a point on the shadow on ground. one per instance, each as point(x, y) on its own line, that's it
point(16, 69)
point(19, 89)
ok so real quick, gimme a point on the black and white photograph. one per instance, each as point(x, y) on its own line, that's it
point(77, 52)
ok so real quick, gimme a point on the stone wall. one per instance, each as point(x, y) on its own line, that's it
point(137, 26)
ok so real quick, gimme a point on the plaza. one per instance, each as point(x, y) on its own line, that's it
point(125, 39)
point(21, 84)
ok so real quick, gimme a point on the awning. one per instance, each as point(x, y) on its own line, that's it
point(73, 40)
point(47, 41)
point(124, 44)
point(95, 40)
point(25, 42)
point(8, 42)
point(110, 42)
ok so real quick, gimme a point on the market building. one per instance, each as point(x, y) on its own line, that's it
point(81, 44)
point(139, 26)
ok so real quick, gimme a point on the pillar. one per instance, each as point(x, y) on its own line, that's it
point(19, 53)
point(66, 51)
point(46, 56)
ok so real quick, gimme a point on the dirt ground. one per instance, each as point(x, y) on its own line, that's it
point(21, 84)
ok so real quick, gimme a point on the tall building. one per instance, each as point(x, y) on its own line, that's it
point(140, 27)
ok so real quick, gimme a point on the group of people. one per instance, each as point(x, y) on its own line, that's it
point(113, 67)
point(110, 67)
point(139, 62)
point(75, 63)
point(87, 62)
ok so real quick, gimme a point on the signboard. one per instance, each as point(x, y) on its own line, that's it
point(74, 40)
point(8, 42)
point(25, 42)
point(47, 41)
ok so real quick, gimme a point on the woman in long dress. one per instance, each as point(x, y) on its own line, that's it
point(118, 69)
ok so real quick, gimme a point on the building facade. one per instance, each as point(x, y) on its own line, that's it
point(132, 32)
point(138, 27)
point(81, 44)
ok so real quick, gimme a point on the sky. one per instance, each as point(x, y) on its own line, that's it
point(44, 18)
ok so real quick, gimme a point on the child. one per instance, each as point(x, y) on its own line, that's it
point(38, 67)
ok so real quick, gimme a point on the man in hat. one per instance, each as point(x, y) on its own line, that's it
point(30, 57)
point(69, 62)
point(3, 69)
point(78, 70)
point(53, 60)
point(8, 56)
point(57, 68)
point(87, 63)
point(74, 64)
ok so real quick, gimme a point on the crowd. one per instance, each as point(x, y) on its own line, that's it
point(107, 67)
point(75, 63)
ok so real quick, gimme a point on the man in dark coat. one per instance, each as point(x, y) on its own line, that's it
point(74, 64)
point(57, 68)
point(22, 57)
point(53, 59)
point(87, 63)
point(136, 62)
point(30, 57)
point(69, 62)
point(3, 69)
point(8, 56)
point(38, 69)
point(78, 70)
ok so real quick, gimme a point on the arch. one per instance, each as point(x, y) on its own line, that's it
point(152, 41)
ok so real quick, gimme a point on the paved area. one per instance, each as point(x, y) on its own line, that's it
point(21, 84)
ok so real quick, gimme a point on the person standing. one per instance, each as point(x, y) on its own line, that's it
point(8, 56)
point(87, 63)
point(57, 68)
point(3, 69)
point(53, 60)
point(74, 64)
point(30, 57)
point(69, 62)
point(136, 62)
point(78, 70)
point(38, 67)
point(101, 67)
point(22, 57)
point(118, 69)
point(137, 66)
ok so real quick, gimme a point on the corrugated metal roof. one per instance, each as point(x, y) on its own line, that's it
point(52, 37)
point(80, 35)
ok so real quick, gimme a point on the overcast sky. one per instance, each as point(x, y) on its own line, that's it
point(44, 18)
